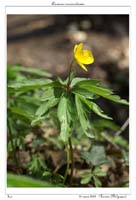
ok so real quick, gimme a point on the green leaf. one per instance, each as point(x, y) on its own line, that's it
point(62, 82)
point(51, 93)
point(76, 80)
point(97, 181)
point(21, 112)
point(30, 70)
point(103, 124)
point(65, 82)
point(56, 142)
point(35, 71)
point(117, 99)
point(86, 178)
point(98, 172)
point(96, 156)
point(46, 106)
point(95, 108)
point(29, 108)
point(47, 173)
point(118, 140)
point(33, 84)
point(84, 82)
point(83, 118)
point(72, 75)
point(101, 91)
point(11, 125)
point(85, 93)
point(29, 99)
point(13, 74)
point(65, 115)
point(42, 109)
point(124, 184)
point(18, 143)
point(37, 120)
point(25, 181)
point(94, 87)
point(37, 163)
point(48, 94)
point(125, 155)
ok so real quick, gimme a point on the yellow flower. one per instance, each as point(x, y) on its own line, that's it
point(83, 57)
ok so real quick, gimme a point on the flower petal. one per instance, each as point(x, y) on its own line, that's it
point(83, 57)
point(79, 48)
point(86, 57)
point(83, 66)
point(75, 47)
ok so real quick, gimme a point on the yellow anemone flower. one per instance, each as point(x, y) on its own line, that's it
point(83, 57)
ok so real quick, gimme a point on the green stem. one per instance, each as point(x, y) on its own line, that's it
point(69, 144)
point(72, 161)
point(12, 145)
point(70, 69)
point(68, 163)
point(70, 158)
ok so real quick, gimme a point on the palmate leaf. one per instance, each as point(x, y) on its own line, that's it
point(94, 87)
point(83, 118)
point(94, 107)
point(96, 156)
point(98, 172)
point(86, 177)
point(97, 181)
point(93, 176)
point(65, 116)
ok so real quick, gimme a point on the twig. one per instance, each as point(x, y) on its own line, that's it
point(123, 127)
